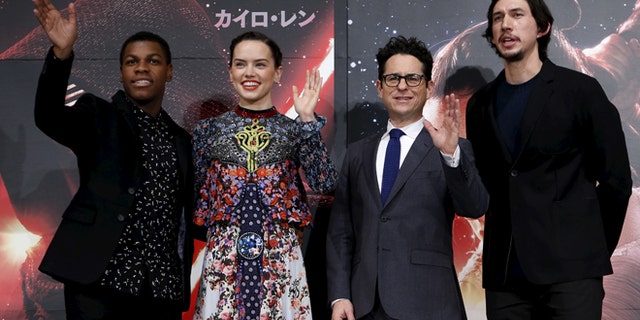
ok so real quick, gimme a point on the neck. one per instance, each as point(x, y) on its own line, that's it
point(151, 107)
point(152, 111)
point(401, 123)
point(259, 105)
point(518, 72)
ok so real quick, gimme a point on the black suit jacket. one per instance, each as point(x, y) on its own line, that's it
point(104, 137)
point(404, 246)
point(562, 200)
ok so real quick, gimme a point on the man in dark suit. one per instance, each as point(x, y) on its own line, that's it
point(551, 151)
point(389, 247)
point(124, 246)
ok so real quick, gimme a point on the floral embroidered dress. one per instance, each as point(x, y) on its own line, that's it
point(251, 199)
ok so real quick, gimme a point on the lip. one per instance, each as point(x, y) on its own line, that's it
point(508, 40)
point(403, 98)
point(142, 83)
point(250, 85)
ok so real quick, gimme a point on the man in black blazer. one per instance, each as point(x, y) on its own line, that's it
point(124, 247)
point(551, 151)
point(393, 258)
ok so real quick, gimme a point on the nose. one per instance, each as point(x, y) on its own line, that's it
point(402, 85)
point(506, 23)
point(142, 66)
point(249, 71)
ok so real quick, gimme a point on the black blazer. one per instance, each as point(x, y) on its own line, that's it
point(103, 136)
point(562, 200)
point(403, 247)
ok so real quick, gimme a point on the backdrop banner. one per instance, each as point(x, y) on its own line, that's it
point(38, 176)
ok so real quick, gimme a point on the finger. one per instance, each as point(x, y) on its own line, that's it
point(307, 80)
point(429, 127)
point(318, 78)
point(456, 110)
point(72, 12)
point(295, 91)
point(453, 106)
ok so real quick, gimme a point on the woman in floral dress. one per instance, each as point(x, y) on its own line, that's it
point(252, 199)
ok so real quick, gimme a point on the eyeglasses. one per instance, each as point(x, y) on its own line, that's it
point(393, 79)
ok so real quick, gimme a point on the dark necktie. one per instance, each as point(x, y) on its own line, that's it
point(391, 163)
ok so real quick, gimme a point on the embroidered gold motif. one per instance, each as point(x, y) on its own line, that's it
point(253, 139)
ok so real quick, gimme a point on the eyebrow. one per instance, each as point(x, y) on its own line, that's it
point(151, 55)
point(497, 13)
point(256, 60)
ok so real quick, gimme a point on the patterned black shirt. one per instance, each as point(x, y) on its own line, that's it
point(146, 259)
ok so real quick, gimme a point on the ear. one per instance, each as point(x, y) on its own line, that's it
point(170, 72)
point(379, 88)
point(277, 75)
point(430, 86)
point(545, 32)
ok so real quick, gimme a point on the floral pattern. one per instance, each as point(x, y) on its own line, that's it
point(221, 177)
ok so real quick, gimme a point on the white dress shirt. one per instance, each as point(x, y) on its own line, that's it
point(406, 141)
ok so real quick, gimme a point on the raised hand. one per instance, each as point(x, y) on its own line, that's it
point(61, 32)
point(445, 138)
point(305, 104)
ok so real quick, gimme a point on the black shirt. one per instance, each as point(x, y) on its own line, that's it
point(146, 259)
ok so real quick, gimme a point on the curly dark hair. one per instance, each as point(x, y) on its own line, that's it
point(411, 46)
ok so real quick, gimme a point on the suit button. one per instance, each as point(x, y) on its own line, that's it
point(120, 218)
point(131, 191)
point(384, 218)
point(514, 173)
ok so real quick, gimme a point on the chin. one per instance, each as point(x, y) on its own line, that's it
point(512, 56)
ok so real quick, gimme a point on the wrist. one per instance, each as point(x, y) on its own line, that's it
point(307, 117)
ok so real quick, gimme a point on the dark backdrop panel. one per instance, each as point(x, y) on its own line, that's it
point(583, 40)
point(38, 176)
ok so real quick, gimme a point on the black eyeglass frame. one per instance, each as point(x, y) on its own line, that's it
point(385, 79)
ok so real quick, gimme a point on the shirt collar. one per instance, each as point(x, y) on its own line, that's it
point(412, 130)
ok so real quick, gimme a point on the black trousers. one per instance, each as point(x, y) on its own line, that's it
point(91, 302)
point(575, 300)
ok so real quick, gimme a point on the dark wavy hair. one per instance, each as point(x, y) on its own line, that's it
point(147, 36)
point(411, 46)
point(255, 35)
point(542, 16)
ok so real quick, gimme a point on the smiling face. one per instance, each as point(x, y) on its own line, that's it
point(144, 73)
point(252, 72)
point(404, 103)
point(515, 32)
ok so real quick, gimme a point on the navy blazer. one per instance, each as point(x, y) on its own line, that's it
point(104, 137)
point(561, 201)
point(404, 247)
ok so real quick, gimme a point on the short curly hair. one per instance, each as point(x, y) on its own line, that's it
point(411, 46)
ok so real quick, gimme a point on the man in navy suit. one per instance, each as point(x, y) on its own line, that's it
point(551, 151)
point(389, 250)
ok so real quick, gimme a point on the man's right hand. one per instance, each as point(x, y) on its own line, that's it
point(61, 32)
point(342, 309)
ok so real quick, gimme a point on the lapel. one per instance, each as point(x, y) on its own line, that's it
point(125, 108)
point(538, 102)
point(421, 147)
point(369, 153)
